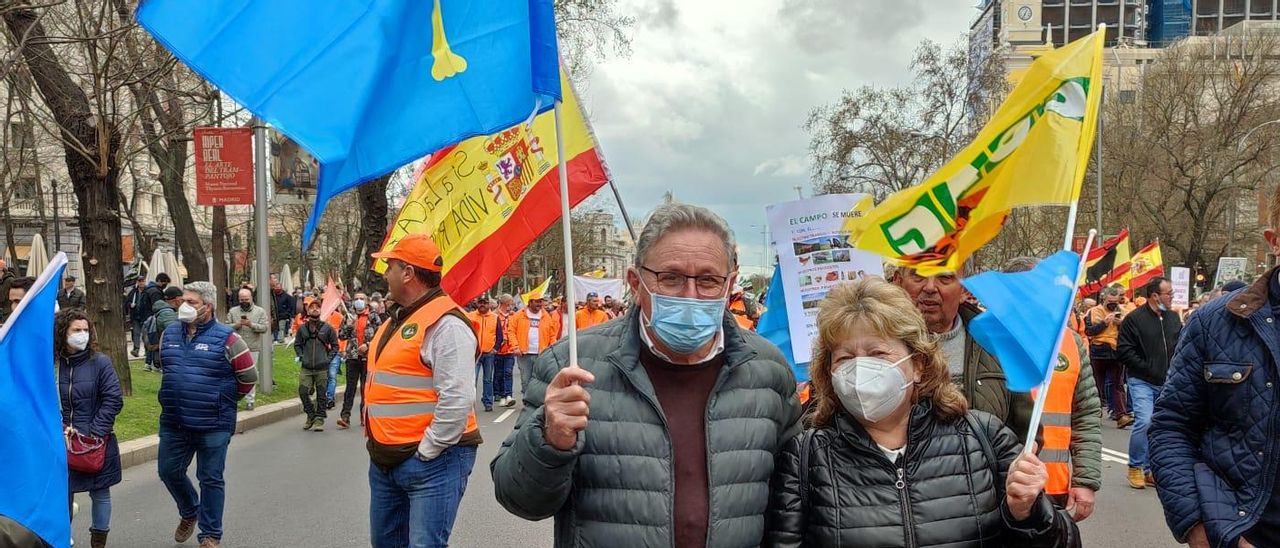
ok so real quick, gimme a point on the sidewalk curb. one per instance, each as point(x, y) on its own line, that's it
point(145, 449)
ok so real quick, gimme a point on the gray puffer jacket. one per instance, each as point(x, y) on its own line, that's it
point(615, 487)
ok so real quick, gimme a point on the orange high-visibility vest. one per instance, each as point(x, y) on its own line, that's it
point(399, 394)
point(739, 311)
point(1056, 453)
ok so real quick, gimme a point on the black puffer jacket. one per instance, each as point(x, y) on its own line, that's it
point(947, 495)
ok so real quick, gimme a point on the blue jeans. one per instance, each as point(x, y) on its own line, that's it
point(101, 514)
point(525, 362)
point(484, 367)
point(177, 447)
point(1143, 395)
point(415, 504)
point(503, 366)
point(333, 378)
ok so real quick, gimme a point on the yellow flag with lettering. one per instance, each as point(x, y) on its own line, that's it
point(1034, 151)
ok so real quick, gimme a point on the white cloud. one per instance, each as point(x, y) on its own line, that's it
point(712, 100)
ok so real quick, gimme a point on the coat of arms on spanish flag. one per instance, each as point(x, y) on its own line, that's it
point(486, 199)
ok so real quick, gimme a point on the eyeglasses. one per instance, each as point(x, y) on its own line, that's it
point(706, 285)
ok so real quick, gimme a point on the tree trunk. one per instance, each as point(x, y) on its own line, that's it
point(173, 166)
point(95, 179)
point(373, 223)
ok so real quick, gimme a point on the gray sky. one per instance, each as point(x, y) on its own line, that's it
point(711, 101)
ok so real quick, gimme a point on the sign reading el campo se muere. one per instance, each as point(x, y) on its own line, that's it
point(224, 166)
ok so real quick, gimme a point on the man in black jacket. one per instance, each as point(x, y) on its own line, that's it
point(70, 296)
point(316, 344)
point(282, 311)
point(1145, 345)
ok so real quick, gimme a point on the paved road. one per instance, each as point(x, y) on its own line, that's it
point(287, 487)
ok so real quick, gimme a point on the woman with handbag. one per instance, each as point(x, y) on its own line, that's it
point(893, 456)
point(91, 399)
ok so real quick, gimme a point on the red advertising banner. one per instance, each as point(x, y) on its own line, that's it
point(224, 166)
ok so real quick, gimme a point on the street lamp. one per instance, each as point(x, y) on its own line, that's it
point(764, 247)
point(1231, 219)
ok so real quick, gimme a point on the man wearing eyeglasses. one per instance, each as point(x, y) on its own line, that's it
point(1145, 345)
point(665, 433)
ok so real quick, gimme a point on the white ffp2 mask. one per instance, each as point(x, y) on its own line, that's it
point(870, 388)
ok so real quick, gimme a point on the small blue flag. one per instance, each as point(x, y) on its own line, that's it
point(776, 328)
point(1025, 317)
point(368, 86)
point(34, 485)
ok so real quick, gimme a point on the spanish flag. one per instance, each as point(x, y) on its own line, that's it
point(486, 199)
point(1145, 265)
point(1034, 151)
point(1106, 264)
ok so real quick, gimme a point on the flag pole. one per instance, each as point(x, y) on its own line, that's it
point(1042, 393)
point(569, 298)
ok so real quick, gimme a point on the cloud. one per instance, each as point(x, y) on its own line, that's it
point(710, 104)
point(786, 166)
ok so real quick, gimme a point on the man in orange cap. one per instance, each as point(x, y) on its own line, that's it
point(419, 403)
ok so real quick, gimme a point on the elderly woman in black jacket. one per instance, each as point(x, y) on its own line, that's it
point(91, 399)
point(893, 456)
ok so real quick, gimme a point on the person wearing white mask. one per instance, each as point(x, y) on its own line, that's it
point(251, 322)
point(206, 369)
point(894, 456)
point(91, 399)
point(664, 433)
point(358, 332)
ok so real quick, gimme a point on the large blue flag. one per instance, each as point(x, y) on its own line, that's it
point(776, 328)
point(1025, 317)
point(33, 489)
point(368, 86)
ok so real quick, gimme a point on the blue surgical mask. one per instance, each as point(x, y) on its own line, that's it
point(358, 305)
point(685, 324)
point(1162, 307)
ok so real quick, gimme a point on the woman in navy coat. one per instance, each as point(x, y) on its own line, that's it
point(90, 394)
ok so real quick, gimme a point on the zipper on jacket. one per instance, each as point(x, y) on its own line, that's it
point(905, 501)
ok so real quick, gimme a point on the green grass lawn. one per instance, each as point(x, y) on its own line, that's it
point(141, 414)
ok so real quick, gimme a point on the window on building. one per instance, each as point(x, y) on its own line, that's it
point(21, 135)
point(1128, 96)
point(27, 188)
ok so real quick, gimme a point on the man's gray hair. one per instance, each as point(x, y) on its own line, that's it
point(505, 298)
point(1112, 291)
point(677, 216)
point(208, 293)
point(1021, 264)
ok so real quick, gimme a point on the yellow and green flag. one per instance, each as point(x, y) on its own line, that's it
point(1034, 151)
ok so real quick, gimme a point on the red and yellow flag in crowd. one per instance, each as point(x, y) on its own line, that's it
point(1145, 265)
point(486, 199)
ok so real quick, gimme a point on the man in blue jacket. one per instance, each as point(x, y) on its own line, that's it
point(1215, 436)
point(207, 368)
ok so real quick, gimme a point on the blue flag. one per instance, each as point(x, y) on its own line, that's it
point(776, 328)
point(1025, 317)
point(34, 485)
point(368, 86)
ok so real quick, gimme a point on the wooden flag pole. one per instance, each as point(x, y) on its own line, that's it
point(569, 298)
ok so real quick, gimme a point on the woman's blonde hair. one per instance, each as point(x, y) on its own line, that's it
point(888, 310)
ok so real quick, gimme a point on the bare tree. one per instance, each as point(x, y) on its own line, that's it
point(1178, 166)
point(882, 140)
point(86, 113)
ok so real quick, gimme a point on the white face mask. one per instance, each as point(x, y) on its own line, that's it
point(78, 340)
point(187, 313)
point(870, 388)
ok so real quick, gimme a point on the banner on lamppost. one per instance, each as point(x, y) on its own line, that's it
point(224, 166)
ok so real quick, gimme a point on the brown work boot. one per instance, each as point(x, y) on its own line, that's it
point(1136, 479)
point(97, 539)
point(1149, 479)
point(209, 542)
point(343, 424)
point(1124, 421)
point(184, 530)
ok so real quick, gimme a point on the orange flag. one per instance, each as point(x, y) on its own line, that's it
point(332, 298)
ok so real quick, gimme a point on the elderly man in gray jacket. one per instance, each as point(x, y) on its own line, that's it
point(250, 322)
point(665, 434)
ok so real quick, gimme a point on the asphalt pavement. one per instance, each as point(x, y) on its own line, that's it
point(287, 487)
